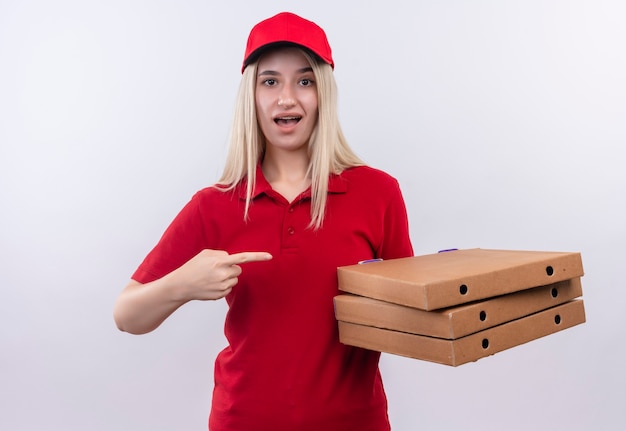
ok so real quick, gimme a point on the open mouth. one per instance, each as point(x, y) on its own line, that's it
point(286, 121)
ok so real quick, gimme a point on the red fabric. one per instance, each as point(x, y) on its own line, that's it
point(284, 368)
point(287, 27)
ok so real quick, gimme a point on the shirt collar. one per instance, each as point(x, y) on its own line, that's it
point(336, 184)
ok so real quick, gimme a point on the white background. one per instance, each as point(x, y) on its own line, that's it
point(504, 122)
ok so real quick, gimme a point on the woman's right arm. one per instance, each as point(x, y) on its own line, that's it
point(210, 275)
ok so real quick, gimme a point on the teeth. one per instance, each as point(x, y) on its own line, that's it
point(287, 120)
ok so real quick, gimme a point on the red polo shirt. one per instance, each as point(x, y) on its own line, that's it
point(284, 368)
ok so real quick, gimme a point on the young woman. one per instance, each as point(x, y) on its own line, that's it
point(293, 204)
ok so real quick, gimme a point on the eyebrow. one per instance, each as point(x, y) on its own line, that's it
point(274, 73)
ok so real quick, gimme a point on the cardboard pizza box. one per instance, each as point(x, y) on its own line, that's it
point(459, 321)
point(469, 348)
point(441, 280)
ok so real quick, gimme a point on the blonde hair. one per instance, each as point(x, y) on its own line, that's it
point(329, 151)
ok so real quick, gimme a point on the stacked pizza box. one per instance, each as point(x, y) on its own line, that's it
point(459, 306)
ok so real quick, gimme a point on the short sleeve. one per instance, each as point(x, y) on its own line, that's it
point(182, 240)
point(396, 239)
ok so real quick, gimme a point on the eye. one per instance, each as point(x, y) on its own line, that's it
point(269, 82)
point(306, 82)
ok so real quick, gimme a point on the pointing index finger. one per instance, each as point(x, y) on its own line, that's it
point(248, 256)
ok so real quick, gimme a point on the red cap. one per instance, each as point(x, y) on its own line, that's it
point(287, 28)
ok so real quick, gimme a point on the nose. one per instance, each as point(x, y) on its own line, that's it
point(286, 102)
point(286, 99)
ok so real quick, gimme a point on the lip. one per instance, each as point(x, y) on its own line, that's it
point(287, 119)
point(287, 114)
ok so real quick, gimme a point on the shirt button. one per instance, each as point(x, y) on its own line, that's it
point(290, 230)
point(291, 209)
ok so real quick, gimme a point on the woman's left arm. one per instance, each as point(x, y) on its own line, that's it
point(396, 237)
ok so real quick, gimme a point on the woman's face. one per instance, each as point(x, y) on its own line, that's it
point(286, 99)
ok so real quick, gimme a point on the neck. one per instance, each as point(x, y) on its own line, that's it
point(285, 166)
point(287, 172)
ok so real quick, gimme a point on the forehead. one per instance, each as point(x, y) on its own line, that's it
point(283, 58)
